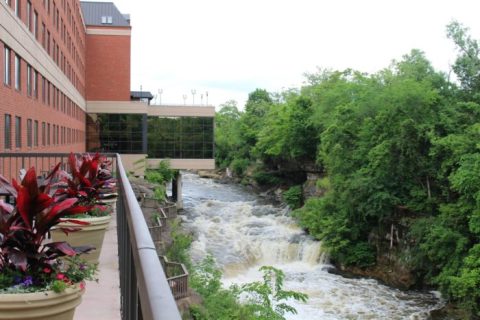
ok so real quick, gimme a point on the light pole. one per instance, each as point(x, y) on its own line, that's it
point(185, 99)
point(160, 91)
point(193, 95)
point(206, 94)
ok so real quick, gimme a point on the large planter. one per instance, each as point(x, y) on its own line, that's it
point(91, 234)
point(112, 202)
point(46, 305)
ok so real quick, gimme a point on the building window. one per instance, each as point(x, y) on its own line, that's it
point(107, 20)
point(18, 132)
point(44, 89)
point(35, 133)
point(17, 72)
point(8, 131)
point(35, 83)
point(29, 15)
point(6, 66)
point(48, 93)
point(44, 36)
point(29, 132)
point(17, 8)
point(54, 137)
point(35, 24)
point(48, 134)
point(48, 42)
point(43, 134)
point(29, 79)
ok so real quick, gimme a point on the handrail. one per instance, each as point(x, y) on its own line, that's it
point(156, 299)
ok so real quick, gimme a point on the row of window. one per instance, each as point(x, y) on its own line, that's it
point(50, 134)
point(50, 43)
point(50, 94)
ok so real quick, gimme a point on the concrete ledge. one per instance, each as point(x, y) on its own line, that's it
point(181, 111)
point(185, 164)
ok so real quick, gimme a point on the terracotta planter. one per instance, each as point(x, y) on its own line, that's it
point(46, 305)
point(91, 234)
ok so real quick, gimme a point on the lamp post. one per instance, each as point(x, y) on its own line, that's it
point(185, 99)
point(206, 95)
point(160, 91)
point(193, 95)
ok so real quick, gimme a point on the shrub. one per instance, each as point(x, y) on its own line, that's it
point(239, 166)
point(294, 197)
point(266, 179)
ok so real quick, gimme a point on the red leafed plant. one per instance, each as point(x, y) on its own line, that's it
point(90, 179)
point(27, 262)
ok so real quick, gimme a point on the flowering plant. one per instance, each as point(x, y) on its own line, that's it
point(90, 179)
point(27, 261)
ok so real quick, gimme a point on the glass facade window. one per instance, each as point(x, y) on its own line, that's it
point(8, 132)
point(120, 133)
point(180, 138)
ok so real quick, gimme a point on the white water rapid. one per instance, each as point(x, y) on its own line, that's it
point(243, 233)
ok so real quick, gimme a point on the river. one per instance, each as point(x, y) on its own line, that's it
point(243, 232)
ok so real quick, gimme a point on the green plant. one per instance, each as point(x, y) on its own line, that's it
point(239, 166)
point(267, 299)
point(181, 242)
point(265, 178)
point(100, 211)
point(294, 197)
point(160, 193)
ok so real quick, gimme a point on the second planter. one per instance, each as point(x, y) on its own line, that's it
point(91, 234)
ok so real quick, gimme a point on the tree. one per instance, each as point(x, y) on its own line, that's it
point(267, 299)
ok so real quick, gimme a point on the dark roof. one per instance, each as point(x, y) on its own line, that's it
point(95, 12)
point(141, 95)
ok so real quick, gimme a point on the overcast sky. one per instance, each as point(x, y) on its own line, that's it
point(231, 47)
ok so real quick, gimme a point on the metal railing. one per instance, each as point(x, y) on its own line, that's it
point(177, 277)
point(145, 291)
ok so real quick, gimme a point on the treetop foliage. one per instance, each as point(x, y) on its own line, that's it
point(400, 150)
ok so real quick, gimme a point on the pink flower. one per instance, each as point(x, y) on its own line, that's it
point(60, 276)
point(47, 270)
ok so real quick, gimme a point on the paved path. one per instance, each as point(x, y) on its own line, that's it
point(102, 300)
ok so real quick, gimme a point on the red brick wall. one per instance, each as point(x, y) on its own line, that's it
point(19, 103)
point(108, 67)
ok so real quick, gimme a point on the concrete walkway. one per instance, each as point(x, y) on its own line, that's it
point(102, 300)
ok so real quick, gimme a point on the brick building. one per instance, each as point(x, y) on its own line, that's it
point(54, 59)
point(65, 87)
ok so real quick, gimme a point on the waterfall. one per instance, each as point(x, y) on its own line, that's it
point(243, 232)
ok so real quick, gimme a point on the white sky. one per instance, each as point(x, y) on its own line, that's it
point(231, 47)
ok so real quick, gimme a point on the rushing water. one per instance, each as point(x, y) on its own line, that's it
point(243, 233)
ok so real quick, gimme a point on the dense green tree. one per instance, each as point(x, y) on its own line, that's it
point(399, 149)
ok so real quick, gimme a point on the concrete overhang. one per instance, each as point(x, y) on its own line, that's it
point(184, 164)
point(117, 107)
point(181, 111)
